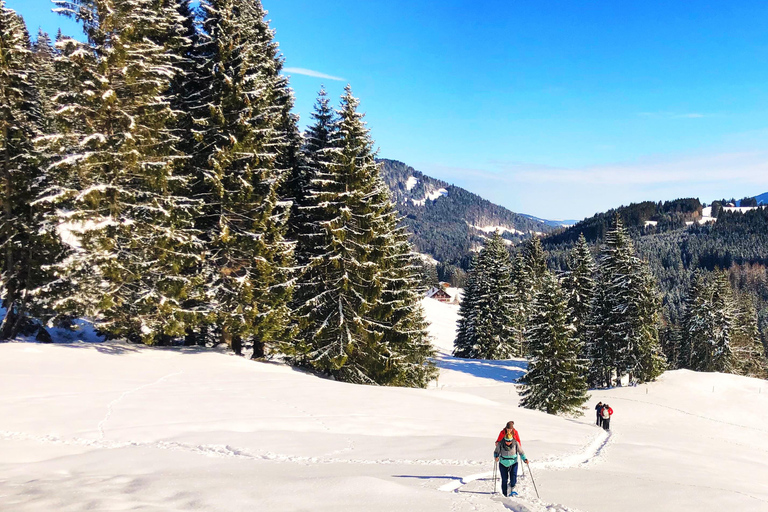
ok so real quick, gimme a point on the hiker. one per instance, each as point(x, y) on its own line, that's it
point(605, 414)
point(599, 414)
point(506, 452)
point(510, 427)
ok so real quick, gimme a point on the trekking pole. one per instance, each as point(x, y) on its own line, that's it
point(494, 477)
point(532, 480)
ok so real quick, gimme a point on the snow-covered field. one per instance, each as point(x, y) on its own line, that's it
point(108, 426)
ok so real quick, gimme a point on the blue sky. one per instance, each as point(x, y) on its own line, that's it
point(556, 109)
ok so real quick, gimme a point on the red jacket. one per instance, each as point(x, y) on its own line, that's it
point(504, 432)
point(610, 411)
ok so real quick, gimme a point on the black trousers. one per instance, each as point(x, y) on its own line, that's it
point(606, 423)
point(599, 420)
point(508, 474)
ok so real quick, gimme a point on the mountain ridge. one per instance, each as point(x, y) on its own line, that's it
point(448, 222)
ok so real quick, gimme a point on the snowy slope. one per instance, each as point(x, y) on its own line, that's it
point(107, 426)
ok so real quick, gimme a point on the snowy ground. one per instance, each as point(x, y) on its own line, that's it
point(108, 427)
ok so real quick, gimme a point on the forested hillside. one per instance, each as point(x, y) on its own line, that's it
point(737, 243)
point(446, 221)
point(640, 218)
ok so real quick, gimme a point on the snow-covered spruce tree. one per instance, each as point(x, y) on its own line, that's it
point(579, 286)
point(649, 361)
point(719, 331)
point(748, 352)
point(696, 321)
point(306, 183)
point(357, 298)
point(623, 331)
point(522, 298)
point(528, 273)
point(486, 314)
point(244, 136)
point(19, 124)
point(556, 379)
point(112, 193)
point(712, 328)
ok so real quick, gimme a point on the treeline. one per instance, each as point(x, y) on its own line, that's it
point(718, 331)
point(737, 244)
point(155, 179)
point(638, 218)
point(590, 326)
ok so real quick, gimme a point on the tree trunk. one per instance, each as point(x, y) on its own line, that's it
point(258, 350)
point(9, 322)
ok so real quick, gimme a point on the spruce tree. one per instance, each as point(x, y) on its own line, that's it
point(719, 329)
point(748, 353)
point(112, 193)
point(623, 332)
point(486, 322)
point(19, 116)
point(649, 360)
point(556, 379)
point(579, 285)
point(241, 123)
point(357, 296)
point(530, 270)
point(696, 321)
point(712, 350)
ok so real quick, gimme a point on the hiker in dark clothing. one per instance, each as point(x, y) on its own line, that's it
point(599, 413)
point(506, 453)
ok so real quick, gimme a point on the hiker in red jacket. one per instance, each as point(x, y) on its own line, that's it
point(606, 412)
point(509, 428)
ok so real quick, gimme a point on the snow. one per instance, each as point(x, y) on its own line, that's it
point(430, 196)
point(411, 182)
point(706, 212)
point(113, 426)
point(427, 258)
point(651, 223)
point(500, 229)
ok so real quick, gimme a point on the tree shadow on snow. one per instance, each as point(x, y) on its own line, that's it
point(502, 370)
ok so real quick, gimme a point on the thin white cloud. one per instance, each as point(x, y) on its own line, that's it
point(310, 72)
point(579, 192)
point(748, 166)
point(672, 115)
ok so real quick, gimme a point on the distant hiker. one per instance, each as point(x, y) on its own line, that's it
point(506, 453)
point(605, 414)
point(599, 414)
point(510, 427)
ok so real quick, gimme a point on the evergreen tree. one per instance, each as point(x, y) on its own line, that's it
point(696, 321)
point(528, 270)
point(649, 361)
point(486, 323)
point(748, 353)
point(579, 285)
point(112, 193)
point(556, 378)
point(242, 145)
point(719, 330)
point(19, 117)
point(357, 298)
point(711, 345)
point(623, 331)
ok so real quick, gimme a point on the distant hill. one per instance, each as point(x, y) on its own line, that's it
point(762, 198)
point(647, 217)
point(449, 222)
point(553, 223)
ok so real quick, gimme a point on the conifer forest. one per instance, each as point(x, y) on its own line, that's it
point(156, 180)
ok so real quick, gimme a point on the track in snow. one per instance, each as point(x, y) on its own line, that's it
point(527, 502)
